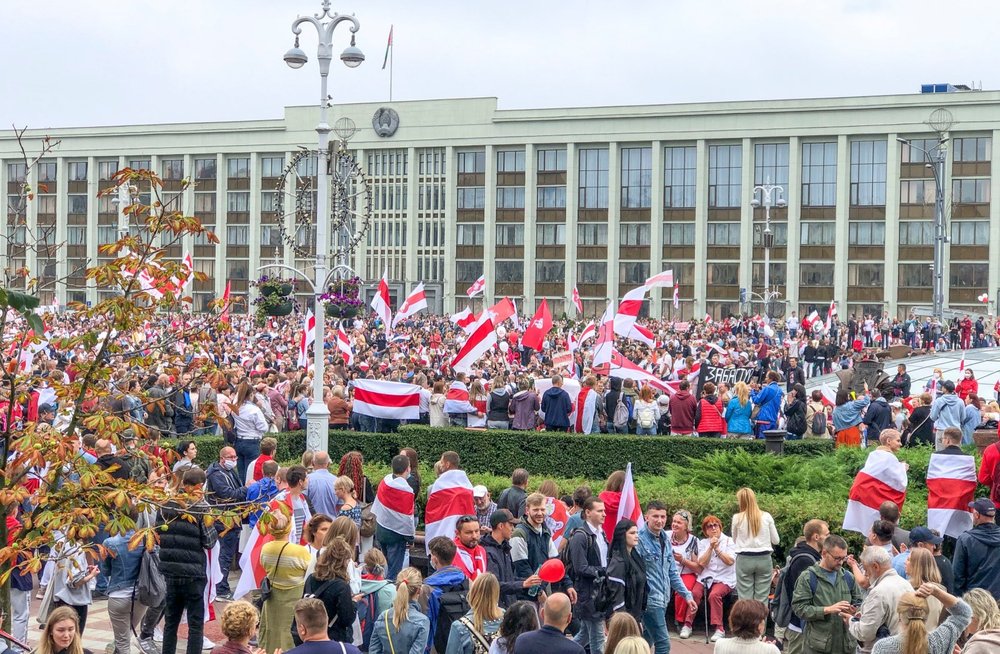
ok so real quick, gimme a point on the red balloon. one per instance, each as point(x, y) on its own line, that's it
point(552, 571)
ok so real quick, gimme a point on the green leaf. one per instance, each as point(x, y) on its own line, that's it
point(21, 301)
point(35, 322)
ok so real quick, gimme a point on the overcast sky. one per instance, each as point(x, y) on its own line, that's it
point(93, 62)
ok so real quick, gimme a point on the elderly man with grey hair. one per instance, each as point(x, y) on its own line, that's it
point(320, 490)
point(877, 617)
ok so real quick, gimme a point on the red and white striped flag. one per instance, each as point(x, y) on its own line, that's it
point(628, 310)
point(708, 319)
point(830, 313)
point(386, 399)
point(380, 303)
point(577, 302)
point(961, 364)
point(665, 278)
point(466, 320)
point(605, 345)
point(477, 287)
point(807, 322)
point(951, 485)
point(629, 506)
point(640, 333)
point(344, 345)
point(589, 331)
point(449, 497)
point(393, 505)
point(882, 479)
point(481, 341)
point(252, 570)
point(307, 338)
point(414, 303)
point(677, 296)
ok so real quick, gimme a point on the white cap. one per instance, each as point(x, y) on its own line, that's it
point(479, 491)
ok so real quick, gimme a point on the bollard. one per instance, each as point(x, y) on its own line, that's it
point(774, 441)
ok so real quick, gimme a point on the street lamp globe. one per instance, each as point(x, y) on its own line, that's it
point(352, 55)
point(755, 202)
point(295, 57)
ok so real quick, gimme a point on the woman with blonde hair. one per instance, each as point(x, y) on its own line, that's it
point(913, 636)
point(477, 398)
point(754, 538)
point(921, 568)
point(631, 645)
point(984, 630)
point(480, 625)
point(239, 625)
point(62, 633)
point(737, 413)
point(404, 629)
point(285, 564)
point(620, 626)
point(343, 486)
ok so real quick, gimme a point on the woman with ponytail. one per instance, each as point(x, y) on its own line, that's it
point(403, 629)
point(913, 637)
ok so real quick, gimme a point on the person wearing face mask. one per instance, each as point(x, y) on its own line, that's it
point(224, 488)
point(967, 385)
point(933, 385)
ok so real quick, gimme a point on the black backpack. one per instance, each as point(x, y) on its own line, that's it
point(818, 426)
point(453, 604)
point(781, 603)
point(564, 556)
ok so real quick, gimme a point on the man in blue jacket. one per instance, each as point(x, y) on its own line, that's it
point(557, 406)
point(225, 489)
point(947, 410)
point(556, 616)
point(769, 401)
point(662, 575)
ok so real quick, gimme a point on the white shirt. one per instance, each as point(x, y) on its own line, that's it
point(764, 541)
point(716, 568)
point(602, 544)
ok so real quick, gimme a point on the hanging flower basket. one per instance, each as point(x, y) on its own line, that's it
point(279, 309)
point(269, 286)
point(341, 310)
point(343, 298)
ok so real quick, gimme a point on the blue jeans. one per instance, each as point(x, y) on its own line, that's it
point(644, 431)
point(227, 550)
point(395, 554)
point(655, 623)
point(247, 449)
point(367, 424)
point(592, 632)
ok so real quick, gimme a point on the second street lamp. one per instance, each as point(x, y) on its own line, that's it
point(767, 195)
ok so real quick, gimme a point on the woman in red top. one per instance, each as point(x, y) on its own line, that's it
point(709, 418)
point(967, 385)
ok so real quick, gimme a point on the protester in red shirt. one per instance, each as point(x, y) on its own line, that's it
point(470, 556)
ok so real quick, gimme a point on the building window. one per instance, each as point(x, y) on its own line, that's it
point(914, 275)
point(973, 149)
point(913, 150)
point(917, 191)
point(727, 274)
point(679, 173)
point(819, 174)
point(468, 271)
point(472, 197)
point(237, 234)
point(470, 235)
point(509, 271)
point(268, 201)
point(818, 233)
point(472, 162)
point(107, 234)
point(866, 233)
point(510, 197)
point(77, 204)
point(550, 233)
point(46, 204)
point(173, 169)
point(510, 235)
point(431, 162)
point(633, 272)
point(866, 274)
point(272, 166)
point(816, 274)
point(913, 232)
point(592, 234)
point(635, 234)
point(868, 170)
point(106, 170)
point(510, 161)
point(204, 202)
point(591, 272)
point(106, 206)
point(238, 167)
point(550, 272)
point(270, 236)
point(17, 172)
point(139, 164)
point(680, 234)
point(770, 164)
point(238, 269)
point(594, 178)
point(77, 171)
point(238, 201)
point(724, 234)
point(637, 177)
point(47, 172)
point(551, 197)
point(76, 235)
point(430, 197)
point(780, 231)
point(969, 275)
point(778, 275)
point(307, 166)
point(725, 165)
point(970, 232)
point(552, 161)
point(204, 168)
point(970, 191)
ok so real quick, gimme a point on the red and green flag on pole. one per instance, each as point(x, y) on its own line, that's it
point(388, 47)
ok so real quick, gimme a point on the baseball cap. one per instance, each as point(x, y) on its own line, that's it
point(500, 516)
point(479, 491)
point(924, 535)
point(983, 505)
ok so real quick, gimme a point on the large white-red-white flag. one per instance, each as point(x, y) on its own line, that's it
point(665, 278)
point(589, 331)
point(628, 310)
point(629, 506)
point(415, 302)
point(830, 313)
point(449, 498)
point(344, 345)
point(393, 505)
point(605, 345)
point(465, 319)
point(677, 296)
point(481, 341)
point(808, 321)
point(882, 479)
point(386, 399)
point(477, 287)
point(381, 302)
point(306, 339)
point(577, 302)
point(951, 485)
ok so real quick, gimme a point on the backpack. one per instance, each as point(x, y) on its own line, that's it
point(564, 556)
point(818, 426)
point(138, 467)
point(452, 605)
point(150, 586)
point(367, 608)
point(780, 606)
point(480, 642)
point(646, 417)
point(621, 416)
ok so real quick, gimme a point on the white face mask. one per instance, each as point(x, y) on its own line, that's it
point(229, 464)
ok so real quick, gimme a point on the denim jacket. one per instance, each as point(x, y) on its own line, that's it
point(661, 569)
point(121, 565)
point(410, 638)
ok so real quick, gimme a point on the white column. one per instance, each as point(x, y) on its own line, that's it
point(254, 211)
point(413, 248)
point(746, 216)
point(530, 233)
point(221, 185)
point(450, 229)
point(793, 194)
point(656, 227)
point(490, 227)
point(5, 262)
point(891, 251)
point(62, 211)
point(288, 206)
point(949, 163)
point(994, 225)
point(700, 230)
point(614, 217)
point(93, 186)
point(361, 253)
point(843, 212)
point(572, 207)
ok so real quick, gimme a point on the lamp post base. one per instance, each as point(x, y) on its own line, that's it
point(318, 427)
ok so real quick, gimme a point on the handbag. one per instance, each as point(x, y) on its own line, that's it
point(265, 583)
point(45, 607)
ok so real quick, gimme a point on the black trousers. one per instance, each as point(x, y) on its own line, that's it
point(184, 594)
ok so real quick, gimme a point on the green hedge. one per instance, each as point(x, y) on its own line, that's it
point(498, 452)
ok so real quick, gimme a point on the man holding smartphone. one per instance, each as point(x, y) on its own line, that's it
point(824, 595)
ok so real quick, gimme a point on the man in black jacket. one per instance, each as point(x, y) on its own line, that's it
point(556, 616)
point(901, 382)
point(803, 556)
point(794, 374)
point(224, 488)
point(879, 415)
point(977, 552)
point(183, 563)
point(588, 553)
point(498, 561)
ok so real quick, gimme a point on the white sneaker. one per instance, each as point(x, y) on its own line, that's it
point(685, 631)
point(157, 635)
point(719, 633)
point(206, 643)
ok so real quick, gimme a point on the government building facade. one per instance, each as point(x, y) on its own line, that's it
point(545, 200)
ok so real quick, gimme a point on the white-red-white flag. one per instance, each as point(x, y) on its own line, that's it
point(449, 497)
point(414, 303)
point(605, 345)
point(393, 505)
point(665, 278)
point(623, 368)
point(628, 310)
point(481, 341)
point(629, 506)
point(830, 313)
point(477, 287)
point(961, 364)
point(386, 399)
point(807, 322)
point(708, 318)
point(640, 333)
point(344, 345)
point(589, 331)
point(306, 339)
point(577, 302)
point(465, 319)
point(951, 485)
point(677, 296)
point(882, 479)
point(381, 302)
